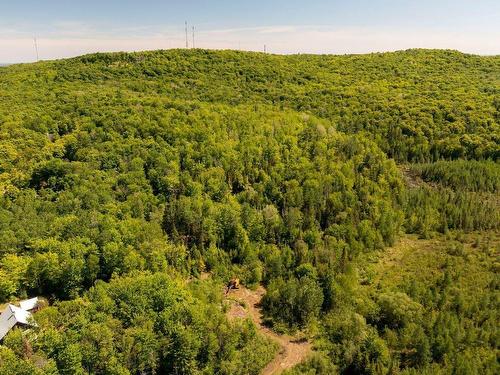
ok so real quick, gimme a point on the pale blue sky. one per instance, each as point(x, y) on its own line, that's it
point(68, 28)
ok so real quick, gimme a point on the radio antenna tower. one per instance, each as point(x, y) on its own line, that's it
point(187, 44)
point(36, 48)
point(193, 37)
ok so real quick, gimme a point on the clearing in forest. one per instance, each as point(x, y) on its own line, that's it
point(471, 258)
point(291, 352)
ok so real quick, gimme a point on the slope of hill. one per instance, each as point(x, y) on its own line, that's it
point(123, 174)
point(418, 105)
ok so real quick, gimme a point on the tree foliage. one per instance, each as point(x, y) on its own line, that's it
point(121, 175)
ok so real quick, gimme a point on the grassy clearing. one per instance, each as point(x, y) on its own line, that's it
point(425, 260)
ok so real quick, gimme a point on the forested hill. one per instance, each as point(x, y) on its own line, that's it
point(124, 175)
point(419, 105)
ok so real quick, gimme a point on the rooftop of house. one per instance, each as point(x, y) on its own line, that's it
point(13, 315)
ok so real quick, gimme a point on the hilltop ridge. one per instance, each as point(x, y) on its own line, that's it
point(419, 105)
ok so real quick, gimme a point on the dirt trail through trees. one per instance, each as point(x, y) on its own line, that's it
point(291, 352)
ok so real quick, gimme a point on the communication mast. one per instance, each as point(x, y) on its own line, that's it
point(193, 37)
point(36, 48)
point(187, 44)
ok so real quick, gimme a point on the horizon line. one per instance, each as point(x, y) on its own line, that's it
point(4, 64)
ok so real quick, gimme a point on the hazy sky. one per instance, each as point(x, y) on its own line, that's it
point(69, 28)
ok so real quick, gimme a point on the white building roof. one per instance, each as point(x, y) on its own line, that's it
point(29, 304)
point(13, 315)
point(22, 316)
point(7, 321)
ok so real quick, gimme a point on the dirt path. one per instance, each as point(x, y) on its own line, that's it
point(291, 352)
point(413, 179)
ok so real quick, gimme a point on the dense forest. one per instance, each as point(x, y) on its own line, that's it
point(361, 191)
